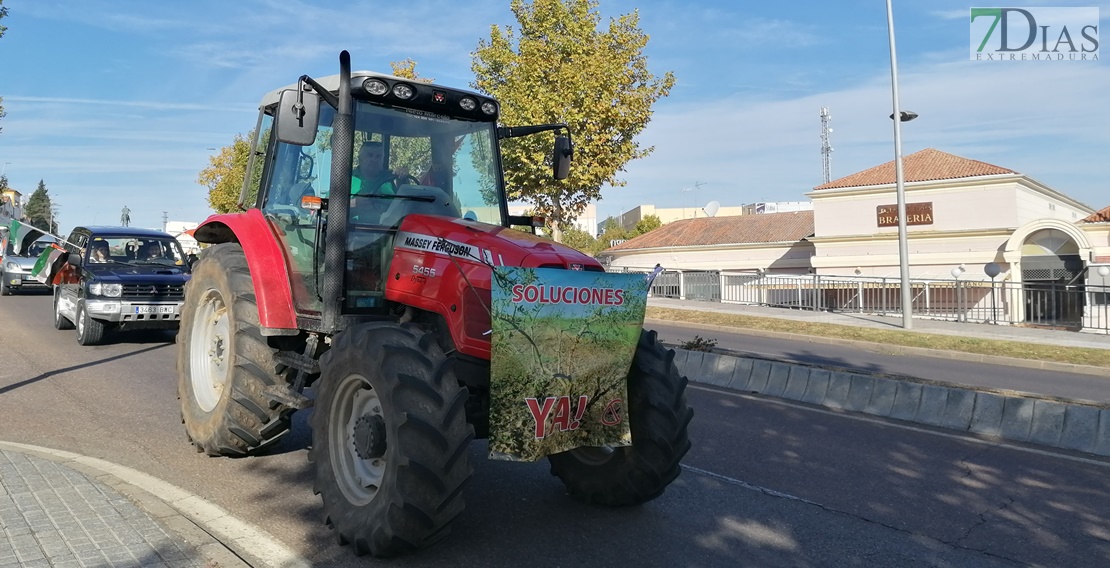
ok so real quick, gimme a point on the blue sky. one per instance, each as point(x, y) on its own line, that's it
point(116, 103)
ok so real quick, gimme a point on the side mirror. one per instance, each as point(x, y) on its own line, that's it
point(296, 121)
point(74, 259)
point(563, 152)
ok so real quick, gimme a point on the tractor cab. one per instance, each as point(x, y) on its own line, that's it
point(414, 147)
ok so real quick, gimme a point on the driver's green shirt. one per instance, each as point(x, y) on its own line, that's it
point(383, 185)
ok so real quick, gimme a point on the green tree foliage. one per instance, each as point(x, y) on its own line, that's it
point(560, 67)
point(648, 223)
point(580, 240)
point(224, 175)
point(3, 13)
point(38, 208)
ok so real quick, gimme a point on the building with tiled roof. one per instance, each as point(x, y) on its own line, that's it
point(1101, 216)
point(927, 165)
point(745, 242)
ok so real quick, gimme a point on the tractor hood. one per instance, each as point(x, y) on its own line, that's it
point(499, 246)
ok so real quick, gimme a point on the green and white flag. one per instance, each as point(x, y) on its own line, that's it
point(21, 235)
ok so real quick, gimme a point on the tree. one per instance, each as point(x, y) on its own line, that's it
point(3, 12)
point(580, 240)
point(613, 231)
point(38, 211)
point(560, 68)
point(648, 223)
point(224, 175)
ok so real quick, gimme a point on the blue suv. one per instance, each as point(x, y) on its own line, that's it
point(120, 278)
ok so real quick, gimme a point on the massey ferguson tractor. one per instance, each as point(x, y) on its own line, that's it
point(377, 300)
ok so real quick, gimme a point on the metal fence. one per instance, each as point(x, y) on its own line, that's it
point(1076, 307)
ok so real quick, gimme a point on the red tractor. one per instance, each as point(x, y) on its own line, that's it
point(378, 297)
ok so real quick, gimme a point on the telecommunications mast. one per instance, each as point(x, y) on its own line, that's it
point(826, 148)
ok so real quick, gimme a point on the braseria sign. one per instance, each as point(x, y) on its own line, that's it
point(916, 214)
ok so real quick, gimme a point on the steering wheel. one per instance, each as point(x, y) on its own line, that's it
point(405, 179)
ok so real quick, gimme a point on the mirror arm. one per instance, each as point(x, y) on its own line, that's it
point(320, 90)
point(515, 131)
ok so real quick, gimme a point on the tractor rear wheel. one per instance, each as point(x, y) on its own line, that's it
point(658, 415)
point(224, 362)
point(389, 439)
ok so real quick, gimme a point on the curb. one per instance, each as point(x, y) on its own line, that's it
point(1082, 426)
point(216, 535)
point(899, 349)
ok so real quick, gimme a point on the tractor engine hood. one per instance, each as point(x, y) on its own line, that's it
point(499, 246)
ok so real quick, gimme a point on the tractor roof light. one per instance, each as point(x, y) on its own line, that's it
point(375, 87)
point(489, 107)
point(403, 91)
point(468, 104)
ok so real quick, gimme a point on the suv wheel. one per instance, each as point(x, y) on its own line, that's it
point(60, 321)
point(89, 331)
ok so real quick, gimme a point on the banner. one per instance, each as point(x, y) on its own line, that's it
point(562, 346)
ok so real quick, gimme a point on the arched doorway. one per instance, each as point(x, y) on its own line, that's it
point(1052, 272)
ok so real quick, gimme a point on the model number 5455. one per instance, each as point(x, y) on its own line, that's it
point(424, 271)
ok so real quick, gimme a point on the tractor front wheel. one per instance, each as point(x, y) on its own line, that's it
point(223, 361)
point(658, 415)
point(389, 439)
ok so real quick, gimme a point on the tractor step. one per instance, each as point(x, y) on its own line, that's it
point(298, 361)
point(284, 395)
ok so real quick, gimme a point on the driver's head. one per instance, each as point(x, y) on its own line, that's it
point(371, 158)
point(153, 251)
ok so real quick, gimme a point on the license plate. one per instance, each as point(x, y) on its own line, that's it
point(154, 309)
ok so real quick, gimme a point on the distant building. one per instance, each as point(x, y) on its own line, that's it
point(183, 232)
point(11, 206)
point(630, 218)
point(586, 222)
point(764, 207)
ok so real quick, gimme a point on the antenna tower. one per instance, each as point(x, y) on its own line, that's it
point(826, 147)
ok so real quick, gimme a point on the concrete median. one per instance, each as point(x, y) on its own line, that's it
point(1020, 417)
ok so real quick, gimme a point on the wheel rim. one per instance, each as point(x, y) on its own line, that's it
point(594, 455)
point(358, 463)
point(81, 321)
point(209, 350)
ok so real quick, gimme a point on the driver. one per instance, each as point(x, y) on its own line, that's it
point(371, 176)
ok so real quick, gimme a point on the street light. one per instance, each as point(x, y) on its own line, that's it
point(956, 273)
point(899, 182)
point(992, 269)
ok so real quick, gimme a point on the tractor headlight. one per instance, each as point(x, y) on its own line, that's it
point(403, 91)
point(375, 87)
point(468, 104)
point(108, 290)
point(489, 107)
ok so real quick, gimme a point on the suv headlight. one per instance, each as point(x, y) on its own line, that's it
point(109, 290)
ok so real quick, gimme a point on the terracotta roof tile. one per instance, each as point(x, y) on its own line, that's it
point(1102, 216)
point(767, 228)
point(926, 165)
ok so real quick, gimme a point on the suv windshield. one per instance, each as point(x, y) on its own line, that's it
point(135, 251)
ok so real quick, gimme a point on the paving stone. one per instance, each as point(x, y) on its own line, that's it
point(958, 409)
point(777, 379)
point(1017, 419)
point(1080, 428)
point(796, 384)
point(933, 401)
point(817, 386)
point(859, 393)
point(1048, 422)
point(837, 394)
point(906, 401)
point(742, 375)
point(882, 397)
point(761, 371)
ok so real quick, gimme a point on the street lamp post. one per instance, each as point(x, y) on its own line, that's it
point(956, 272)
point(898, 117)
point(992, 269)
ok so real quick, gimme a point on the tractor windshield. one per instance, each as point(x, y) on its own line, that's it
point(404, 161)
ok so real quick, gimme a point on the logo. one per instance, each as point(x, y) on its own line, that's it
point(613, 413)
point(1034, 34)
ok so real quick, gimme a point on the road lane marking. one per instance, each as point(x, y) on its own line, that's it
point(894, 424)
point(746, 485)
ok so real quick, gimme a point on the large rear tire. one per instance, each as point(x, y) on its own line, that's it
point(389, 439)
point(658, 415)
point(224, 362)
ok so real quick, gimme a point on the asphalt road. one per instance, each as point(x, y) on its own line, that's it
point(766, 484)
point(1051, 383)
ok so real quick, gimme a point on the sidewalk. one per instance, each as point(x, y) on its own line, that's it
point(60, 509)
point(984, 331)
